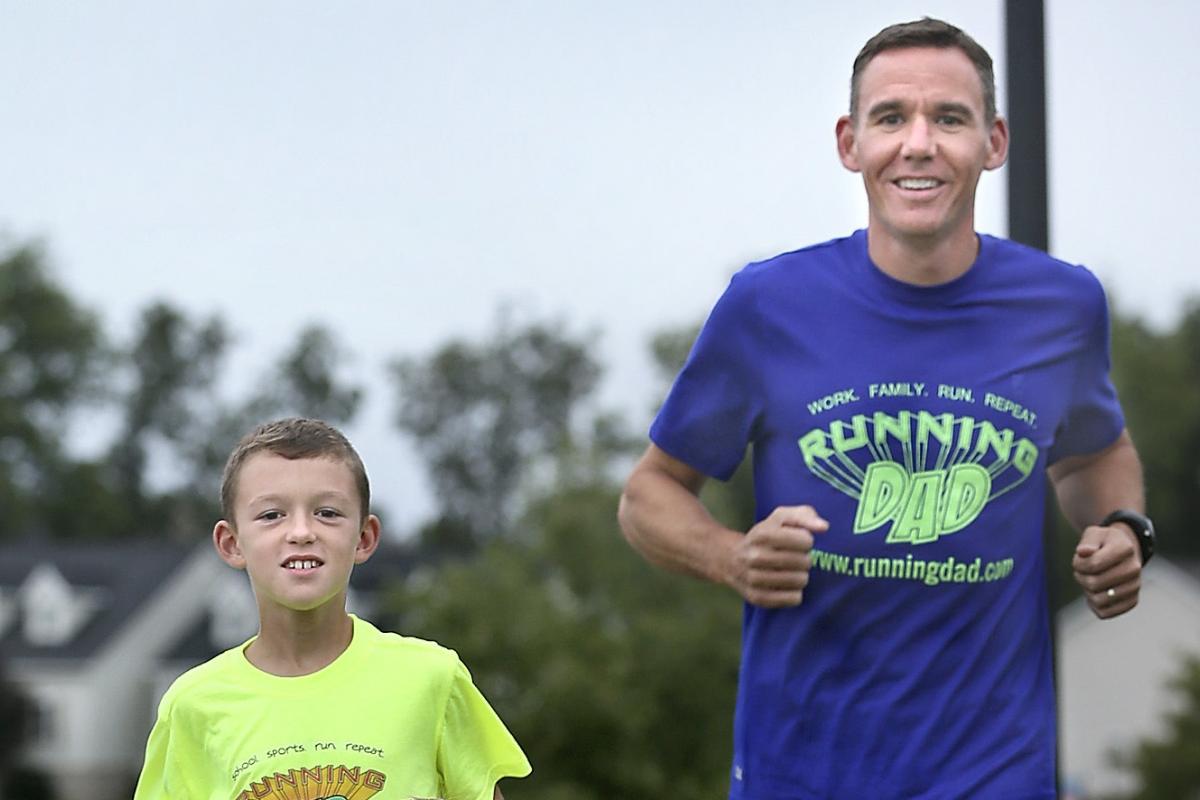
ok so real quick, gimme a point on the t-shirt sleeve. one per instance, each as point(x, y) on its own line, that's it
point(710, 414)
point(167, 772)
point(1094, 418)
point(475, 750)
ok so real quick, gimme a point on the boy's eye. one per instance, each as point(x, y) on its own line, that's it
point(328, 513)
point(270, 516)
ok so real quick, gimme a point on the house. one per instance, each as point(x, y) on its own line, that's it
point(1112, 674)
point(93, 633)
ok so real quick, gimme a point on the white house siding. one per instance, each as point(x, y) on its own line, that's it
point(1113, 674)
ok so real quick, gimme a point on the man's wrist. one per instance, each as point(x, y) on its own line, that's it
point(1133, 537)
point(1139, 525)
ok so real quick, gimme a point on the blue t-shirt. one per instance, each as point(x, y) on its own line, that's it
point(918, 421)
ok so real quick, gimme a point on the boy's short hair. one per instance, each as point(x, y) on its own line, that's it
point(294, 437)
point(927, 32)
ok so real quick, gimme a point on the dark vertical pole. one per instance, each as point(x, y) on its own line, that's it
point(1025, 58)
point(1028, 206)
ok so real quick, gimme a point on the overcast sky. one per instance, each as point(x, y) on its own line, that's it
point(397, 170)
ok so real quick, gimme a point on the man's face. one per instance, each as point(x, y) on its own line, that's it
point(921, 141)
point(298, 530)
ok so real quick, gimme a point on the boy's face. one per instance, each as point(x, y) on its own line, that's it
point(298, 530)
point(921, 139)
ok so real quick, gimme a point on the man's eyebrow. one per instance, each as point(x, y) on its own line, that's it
point(961, 109)
point(884, 107)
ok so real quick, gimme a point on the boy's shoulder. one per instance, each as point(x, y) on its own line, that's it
point(220, 669)
point(420, 655)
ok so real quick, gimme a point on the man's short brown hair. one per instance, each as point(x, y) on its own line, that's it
point(927, 32)
point(294, 437)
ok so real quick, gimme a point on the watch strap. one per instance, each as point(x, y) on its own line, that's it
point(1143, 529)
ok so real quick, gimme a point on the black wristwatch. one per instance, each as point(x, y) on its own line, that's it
point(1143, 529)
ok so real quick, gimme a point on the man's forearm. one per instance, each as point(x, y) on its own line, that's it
point(666, 522)
point(1089, 487)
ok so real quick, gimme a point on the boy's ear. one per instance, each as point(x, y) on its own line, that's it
point(228, 548)
point(368, 539)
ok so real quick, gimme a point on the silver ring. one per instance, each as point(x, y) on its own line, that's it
point(1111, 593)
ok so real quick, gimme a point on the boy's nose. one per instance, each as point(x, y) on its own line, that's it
point(301, 530)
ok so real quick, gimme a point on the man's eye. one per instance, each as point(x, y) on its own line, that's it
point(890, 119)
point(950, 120)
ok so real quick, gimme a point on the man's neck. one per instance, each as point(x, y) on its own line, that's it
point(923, 262)
point(292, 643)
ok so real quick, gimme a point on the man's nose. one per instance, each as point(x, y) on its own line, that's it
point(919, 141)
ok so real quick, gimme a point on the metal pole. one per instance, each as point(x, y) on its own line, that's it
point(1028, 208)
point(1025, 60)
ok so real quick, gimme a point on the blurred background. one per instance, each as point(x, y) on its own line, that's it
point(480, 236)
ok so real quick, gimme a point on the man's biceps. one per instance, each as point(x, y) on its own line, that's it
point(666, 465)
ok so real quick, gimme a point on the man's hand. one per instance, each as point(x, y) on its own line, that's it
point(770, 564)
point(1108, 565)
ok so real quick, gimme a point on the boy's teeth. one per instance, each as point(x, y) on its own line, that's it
point(301, 564)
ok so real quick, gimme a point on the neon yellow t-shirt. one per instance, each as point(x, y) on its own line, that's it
point(391, 717)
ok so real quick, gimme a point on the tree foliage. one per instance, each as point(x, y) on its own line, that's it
point(490, 418)
point(1168, 767)
point(617, 678)
point(51, 357)
point(171, 427)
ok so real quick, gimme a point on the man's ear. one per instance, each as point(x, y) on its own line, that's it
point(997, 144)
point(847, 144)
point(368, 539)
point(225, 540)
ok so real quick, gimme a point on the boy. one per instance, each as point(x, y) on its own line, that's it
point(320, 705)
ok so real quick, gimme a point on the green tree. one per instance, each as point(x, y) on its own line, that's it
point(617, 678)
point(173, 363)
point(306, 381)
point(1168, 767)
point(491, 419)
point(52, 356)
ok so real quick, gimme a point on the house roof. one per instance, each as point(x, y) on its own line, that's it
point(100, 585)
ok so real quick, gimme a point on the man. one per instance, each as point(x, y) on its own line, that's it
point(903, 390)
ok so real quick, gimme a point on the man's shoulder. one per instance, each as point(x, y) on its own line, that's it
point(1016, 255)
point(817, 254)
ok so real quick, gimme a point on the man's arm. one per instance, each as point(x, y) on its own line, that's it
point(1089, 487)
point(664, 520)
